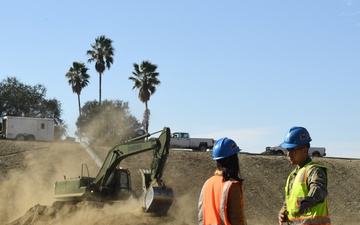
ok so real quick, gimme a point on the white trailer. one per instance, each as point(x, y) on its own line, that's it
point(27, 128)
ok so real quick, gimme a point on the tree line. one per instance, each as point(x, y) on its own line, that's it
point(19, 99)
point(107, 120)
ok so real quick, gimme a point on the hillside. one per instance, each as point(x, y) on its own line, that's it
point(29, 170)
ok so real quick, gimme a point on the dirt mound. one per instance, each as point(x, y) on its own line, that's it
point(89, 213)
point(29, 170)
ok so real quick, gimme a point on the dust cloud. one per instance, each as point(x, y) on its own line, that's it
point(109, 127)
point(26, 191)
point(33, 183)
point(22, 187)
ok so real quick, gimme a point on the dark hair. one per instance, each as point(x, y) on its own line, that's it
point(307, 145)
point(230, 168)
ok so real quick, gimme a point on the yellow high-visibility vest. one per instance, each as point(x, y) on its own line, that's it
point(318, 214)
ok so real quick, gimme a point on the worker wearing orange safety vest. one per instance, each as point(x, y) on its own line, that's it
point(306, 187)
point(221, 199)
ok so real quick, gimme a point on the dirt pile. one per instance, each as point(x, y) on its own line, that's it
point(29, 170)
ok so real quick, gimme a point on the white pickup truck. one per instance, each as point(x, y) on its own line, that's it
point(183, 140)
point(313, 151)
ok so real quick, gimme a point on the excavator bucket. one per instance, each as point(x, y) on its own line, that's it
point(157, 200)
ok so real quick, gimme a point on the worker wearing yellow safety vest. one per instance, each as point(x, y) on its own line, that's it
point(306, 192)
point(221, 200)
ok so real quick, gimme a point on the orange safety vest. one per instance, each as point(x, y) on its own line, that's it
point(213, 201)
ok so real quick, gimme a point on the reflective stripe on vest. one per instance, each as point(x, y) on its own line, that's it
point(211, 210)
point(318, 214)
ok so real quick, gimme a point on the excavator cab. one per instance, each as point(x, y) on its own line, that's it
point(118, 186)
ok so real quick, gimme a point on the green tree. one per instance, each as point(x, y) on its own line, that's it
point(19, 99)
point(108, 123)
point(102, 53)
point(78, 79)
point(145, 80)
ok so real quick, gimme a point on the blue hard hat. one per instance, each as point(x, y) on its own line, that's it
point(224, 147)
point(296, 136)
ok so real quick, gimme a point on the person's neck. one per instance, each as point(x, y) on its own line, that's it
point(306, 161)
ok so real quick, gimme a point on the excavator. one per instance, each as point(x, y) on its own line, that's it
point(112, 182)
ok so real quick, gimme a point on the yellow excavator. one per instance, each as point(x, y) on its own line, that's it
point(112, 182)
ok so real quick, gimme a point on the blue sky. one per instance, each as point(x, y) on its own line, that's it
point(248, 70)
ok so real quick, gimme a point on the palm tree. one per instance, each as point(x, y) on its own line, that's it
point(145, 79)
point(78, 79)
point(102, 53)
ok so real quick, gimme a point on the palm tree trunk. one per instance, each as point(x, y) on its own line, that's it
point(100, 75)
point(79, 104)
point(146, 117)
